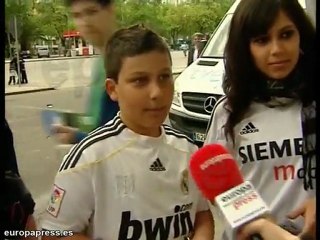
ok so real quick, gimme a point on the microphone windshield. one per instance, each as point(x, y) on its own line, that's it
point(214, 170)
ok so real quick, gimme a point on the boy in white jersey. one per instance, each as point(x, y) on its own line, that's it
point(129, 178)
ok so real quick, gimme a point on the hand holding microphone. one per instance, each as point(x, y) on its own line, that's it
point(267, 230)
point(308, 211)
point(218, 177)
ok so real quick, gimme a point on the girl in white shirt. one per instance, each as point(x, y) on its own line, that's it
point(267, 118)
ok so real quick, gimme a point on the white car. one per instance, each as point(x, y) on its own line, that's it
point(184, 46)
point(199, 86)
point(43, 51)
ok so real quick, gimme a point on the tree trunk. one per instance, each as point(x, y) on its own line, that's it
point(63, 41)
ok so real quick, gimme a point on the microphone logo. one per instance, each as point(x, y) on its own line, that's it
point(214, 160)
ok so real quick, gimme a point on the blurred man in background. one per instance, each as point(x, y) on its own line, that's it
point(96, 21)
point(196, 47)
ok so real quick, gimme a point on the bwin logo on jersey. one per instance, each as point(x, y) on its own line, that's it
point(158, 228)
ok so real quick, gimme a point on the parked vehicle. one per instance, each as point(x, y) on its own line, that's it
point(43, 51)
point(25, 54)
point(184, 47)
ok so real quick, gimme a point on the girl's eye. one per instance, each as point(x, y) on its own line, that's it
point(261, 40)
point(287, 34)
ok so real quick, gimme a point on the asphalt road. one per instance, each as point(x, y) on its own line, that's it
point(36, 153)
point(70, 72)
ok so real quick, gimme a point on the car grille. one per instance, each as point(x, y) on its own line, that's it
point(194, 102)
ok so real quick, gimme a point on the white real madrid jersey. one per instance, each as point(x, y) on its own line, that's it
point(122, 185)
point(268, 148)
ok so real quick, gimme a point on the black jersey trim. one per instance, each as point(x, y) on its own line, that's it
point(108, 130)
point(213, 111)
point(170, 131)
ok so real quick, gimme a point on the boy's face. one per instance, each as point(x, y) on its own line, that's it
point(144, 91)
point(95, 22)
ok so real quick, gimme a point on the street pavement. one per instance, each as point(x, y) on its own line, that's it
point(57, 73)
point(38, 156)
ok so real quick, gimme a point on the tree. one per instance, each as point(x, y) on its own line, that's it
point(185, 19)
point(55, 18)
point(51, 18)
point(173, 19)
point(28, 26)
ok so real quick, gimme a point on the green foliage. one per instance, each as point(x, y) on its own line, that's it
point(51, 18)
point(173, 21)
point(27, 24)
point(54, 17)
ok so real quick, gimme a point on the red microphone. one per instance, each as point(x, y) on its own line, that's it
point(218, 177)
point(214, 170)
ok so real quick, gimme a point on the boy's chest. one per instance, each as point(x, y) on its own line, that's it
point(147, 184)
point(149, 172)
point(146, 174)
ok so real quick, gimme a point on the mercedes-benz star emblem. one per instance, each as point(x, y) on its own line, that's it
point(209, 104)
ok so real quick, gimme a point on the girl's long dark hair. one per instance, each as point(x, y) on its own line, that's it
point(242, 81)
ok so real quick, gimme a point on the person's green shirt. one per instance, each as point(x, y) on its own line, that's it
point(100, 108)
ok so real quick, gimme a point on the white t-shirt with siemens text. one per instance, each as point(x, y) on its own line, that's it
point(116, 184)
point(268, 149)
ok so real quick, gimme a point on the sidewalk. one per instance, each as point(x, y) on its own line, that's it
point(36, 86)
point(25, 88)
point(53, 57)
point(51, 74)
point(39, 85)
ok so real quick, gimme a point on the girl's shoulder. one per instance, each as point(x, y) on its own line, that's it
point(220, 107)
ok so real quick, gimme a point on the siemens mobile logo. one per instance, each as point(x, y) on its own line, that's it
point(287, 172)
point(265, 151)
point(270, 150)
point(158, 228)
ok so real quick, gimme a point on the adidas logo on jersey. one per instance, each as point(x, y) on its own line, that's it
point(157, 166)
point(249, 128)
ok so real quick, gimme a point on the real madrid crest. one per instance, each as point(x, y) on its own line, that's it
point(184, 184)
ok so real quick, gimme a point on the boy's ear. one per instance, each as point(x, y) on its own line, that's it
point(111, 88)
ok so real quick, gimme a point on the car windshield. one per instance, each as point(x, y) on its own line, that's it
point(215, 47)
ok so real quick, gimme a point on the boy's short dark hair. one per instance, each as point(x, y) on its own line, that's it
point(129, 42)
point(101, 2)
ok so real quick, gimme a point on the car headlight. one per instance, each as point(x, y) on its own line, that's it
point(176, 98)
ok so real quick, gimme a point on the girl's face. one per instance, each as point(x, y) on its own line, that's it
point(276, 53)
